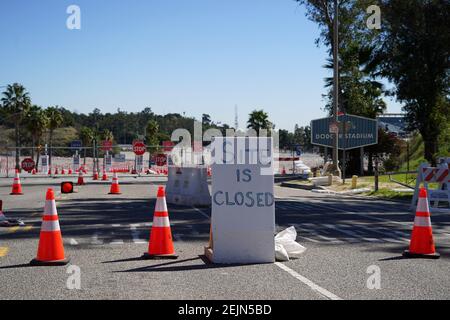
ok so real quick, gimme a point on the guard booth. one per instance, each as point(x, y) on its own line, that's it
point(243, 202)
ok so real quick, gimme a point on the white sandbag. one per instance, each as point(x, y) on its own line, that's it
point(286, 239)
point(281, 253)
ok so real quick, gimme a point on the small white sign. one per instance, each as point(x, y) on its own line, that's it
point(243, 207)
point(108, 162)
point(139, 163)
point(76, 162)
point(44, 163)
point(120, 157)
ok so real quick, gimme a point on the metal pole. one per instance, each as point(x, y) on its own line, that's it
point(407, 159)
point(336, 85)
point(361, 151)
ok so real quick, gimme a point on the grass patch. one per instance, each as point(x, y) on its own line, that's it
point(391, 195)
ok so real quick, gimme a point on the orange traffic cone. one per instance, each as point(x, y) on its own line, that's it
point(95, 176)
point(50, 249)
point(70, 171)
point(104, 176)
point(161, 244)
point(56, 170)
point(115, 189)
point(422, 243)
point(16, 187)
point(284, 171)
point(80, 178)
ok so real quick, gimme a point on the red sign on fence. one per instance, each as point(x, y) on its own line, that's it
point(168, 146)
point(139, 148)
point(28, 164)
point(107, 145)
point(161, 160)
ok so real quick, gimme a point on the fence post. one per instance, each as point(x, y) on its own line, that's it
point(376, 175)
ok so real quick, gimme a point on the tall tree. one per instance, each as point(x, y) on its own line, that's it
point(152, 133)
point(55, 119)
point(414, 54)
point(258, 119)
point(36, 123)
point(16, 100)
point(107, 135)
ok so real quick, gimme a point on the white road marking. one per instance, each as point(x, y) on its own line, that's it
point(323, 292)
point(352, 234)
point(202, 213)
point(73, 242)
point(95, 240)
point(135, 235)
point(313, 233)
point(116, 242)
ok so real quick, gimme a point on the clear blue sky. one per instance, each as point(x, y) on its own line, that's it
point(196, 56)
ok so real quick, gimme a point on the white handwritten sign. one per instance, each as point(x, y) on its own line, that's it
point(243, 209)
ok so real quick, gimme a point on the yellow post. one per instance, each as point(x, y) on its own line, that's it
point(354, 182)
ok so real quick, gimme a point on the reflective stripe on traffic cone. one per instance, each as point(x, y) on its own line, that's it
point(80, 178)
point(422, 243)
point(51, 248)
point(17, 186)
point(161, 243)
point(115, 189)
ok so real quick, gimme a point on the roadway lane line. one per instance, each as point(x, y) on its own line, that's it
point(135, 235)
point(315, 227)
point(95, 240)
point(352, 234)
point(202, 213)
point(3, 251)
point(323, 292)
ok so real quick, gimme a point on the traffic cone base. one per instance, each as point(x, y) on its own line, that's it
point(62, 262)
point(409, 254)
point(147, 256)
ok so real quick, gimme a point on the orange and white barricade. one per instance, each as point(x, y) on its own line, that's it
point(439, 175)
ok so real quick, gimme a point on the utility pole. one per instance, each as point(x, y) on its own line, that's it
point(337, 172)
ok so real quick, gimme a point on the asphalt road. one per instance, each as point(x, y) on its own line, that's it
point(105, 235)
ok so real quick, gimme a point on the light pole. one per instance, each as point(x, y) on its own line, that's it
point(337, 172)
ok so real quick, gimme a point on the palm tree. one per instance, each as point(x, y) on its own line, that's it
point(36, 123)
point(16, 101)
point(86, 136)
point(258, 120)
point(55, 119)
point(107, 135)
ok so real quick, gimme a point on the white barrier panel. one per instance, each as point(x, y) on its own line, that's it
point(243, 207)
point(188, 186)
